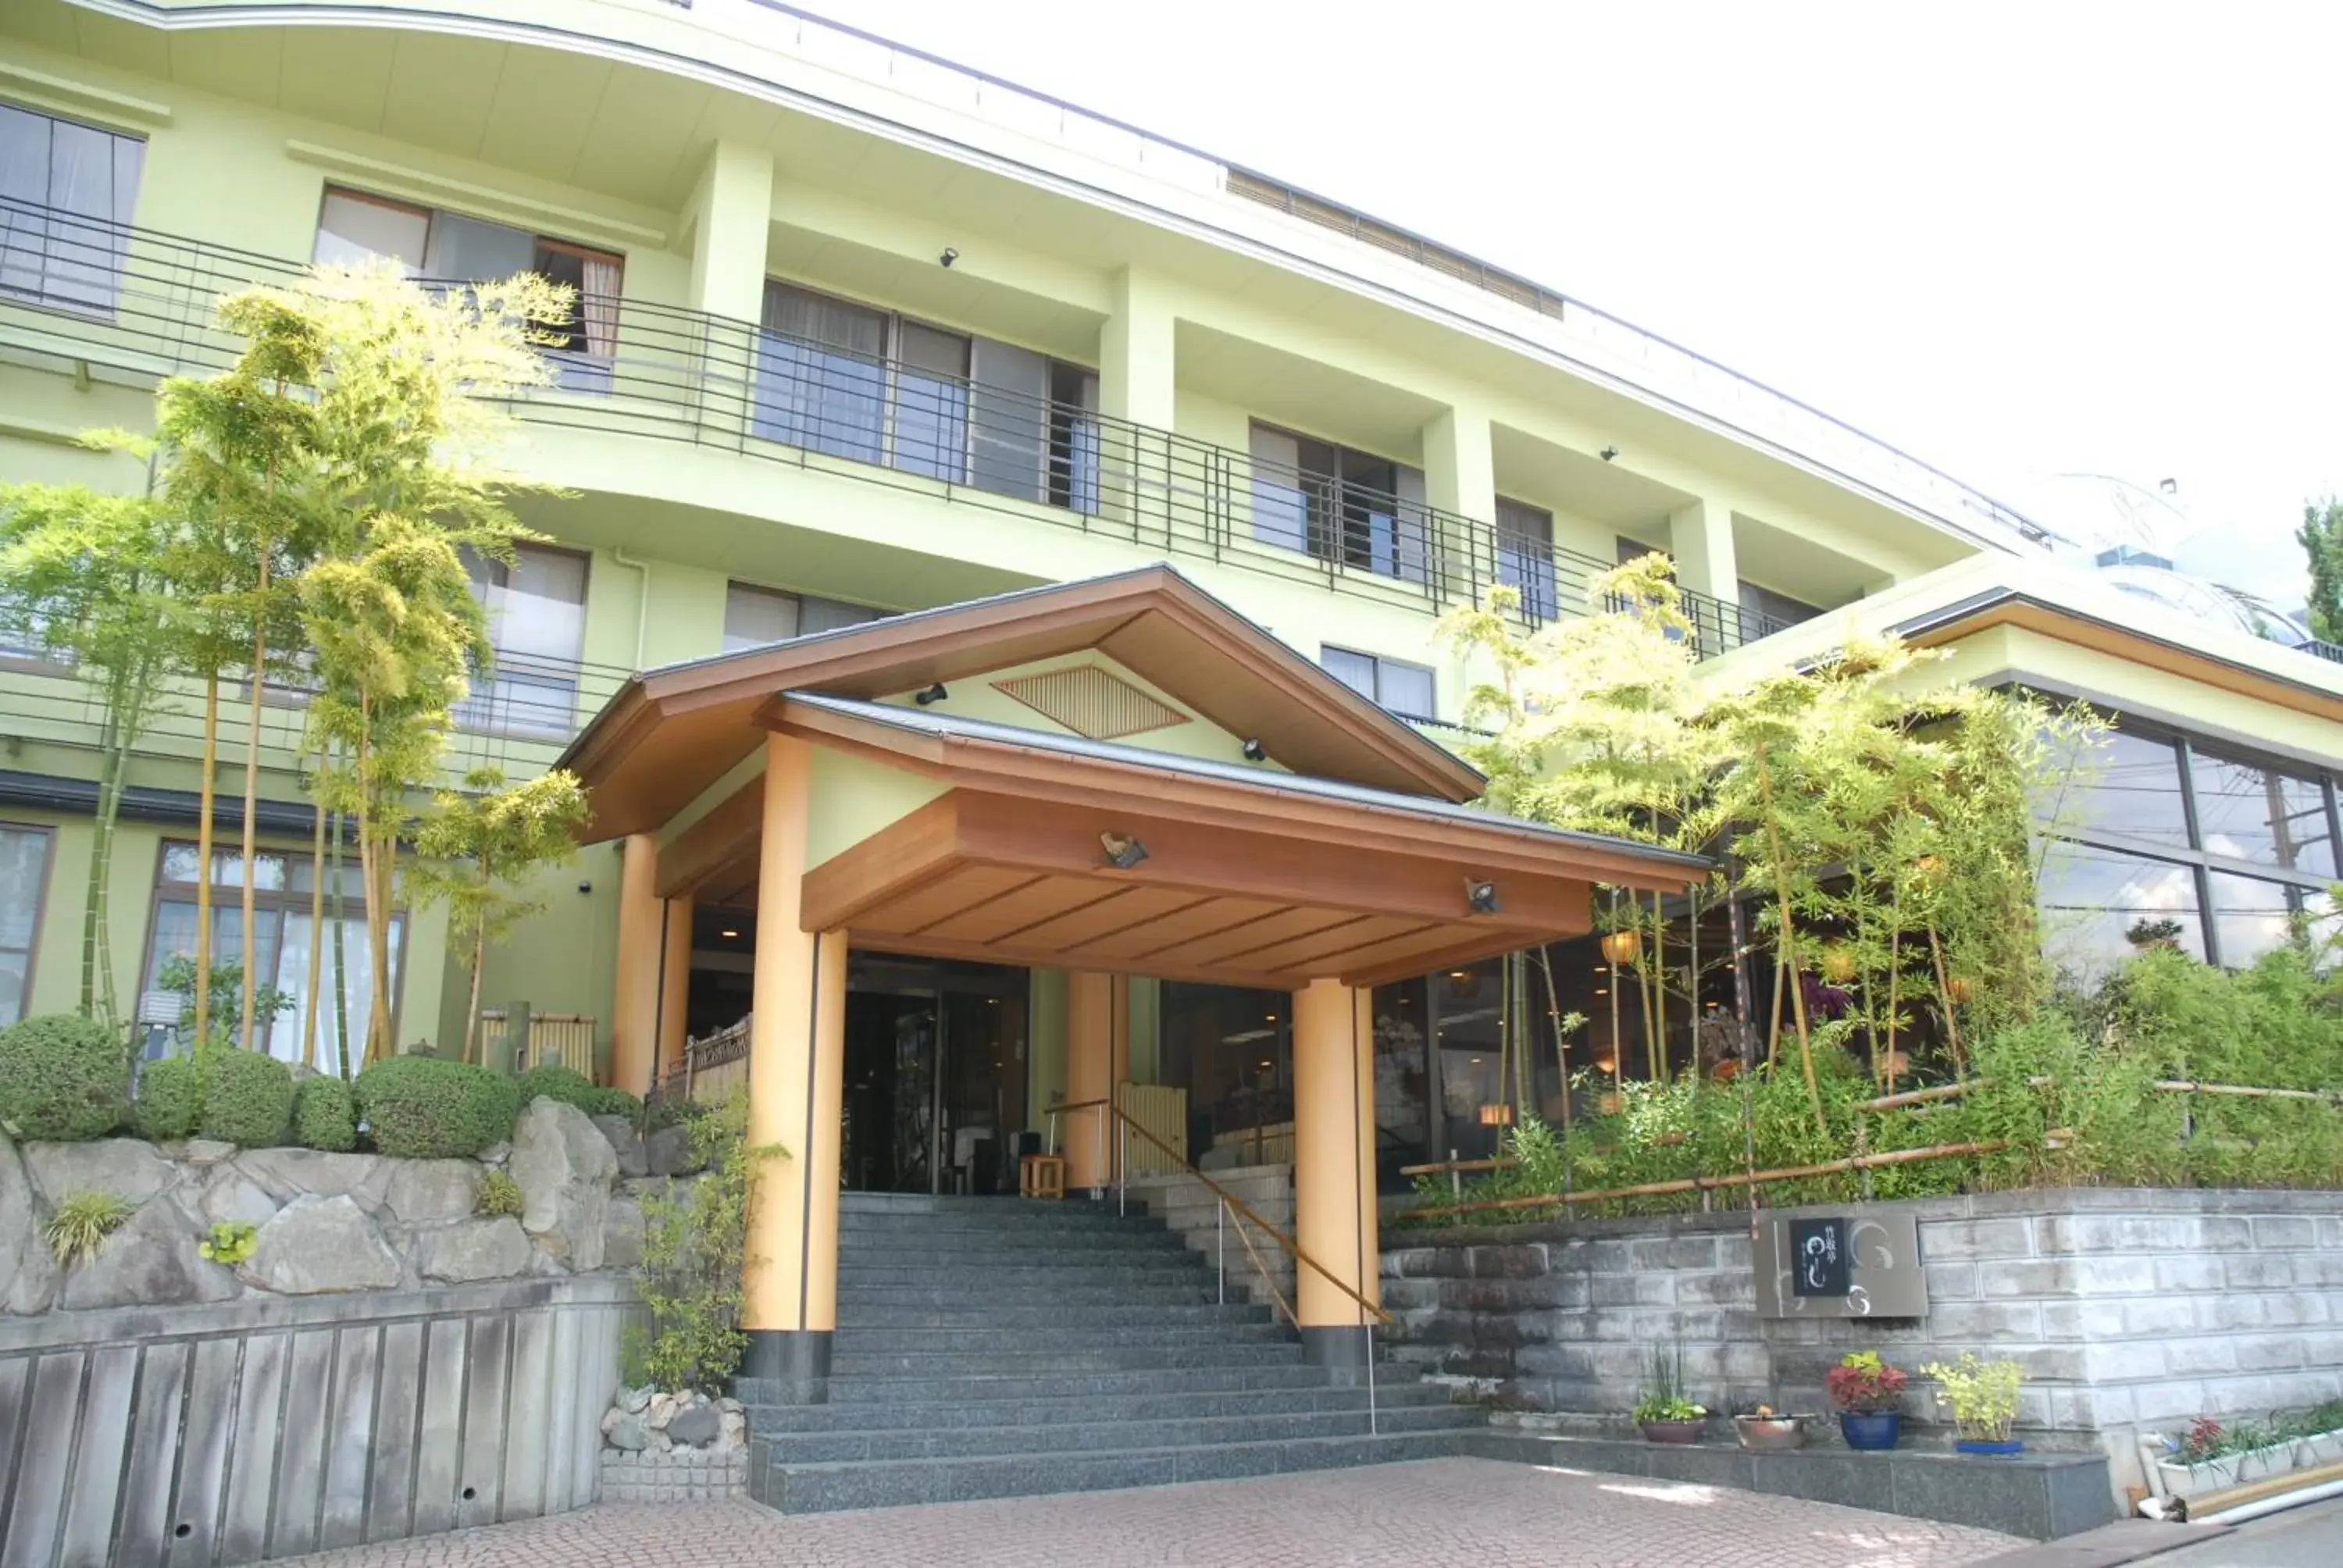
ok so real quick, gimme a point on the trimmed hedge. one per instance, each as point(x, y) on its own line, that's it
point(424, 1107)
point(324, 1115)
point(63, 1079)
point(570, 1087)
point(247, 1098)
point(169, 1100)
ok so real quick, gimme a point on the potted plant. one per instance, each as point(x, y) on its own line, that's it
point(1664, 1412)
point(1764, 1432)
point(1869, 1395)
point(1983, 1396)
point(2215, 1456)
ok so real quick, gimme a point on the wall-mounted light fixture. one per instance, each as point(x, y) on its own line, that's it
point(1482, 896)
point(1609, 453)
point(1254, 752)
point(949, 256)
point(729, 936)
point(1122, 851)
point(933, 694)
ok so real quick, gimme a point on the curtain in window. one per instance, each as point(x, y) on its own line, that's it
point(821, 378)
point(353, 230)
point(1525, 556)
point(1075, 440)
point(600, 307)
point(23, 866)
point(1281, 505)
point(66, 194)
point(466, 250)
point(754, 616)
point(537, 622)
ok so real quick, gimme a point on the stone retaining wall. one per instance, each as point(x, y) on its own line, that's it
point(682, 1475)
point(275, 1425)
point(327, 1224)
point(2130, 1311)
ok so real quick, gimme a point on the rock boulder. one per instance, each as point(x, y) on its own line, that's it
point(28, 1275)
point(494, 1248)
point(564, 1167)
point(428, 1192)
point(128, 1168)
point(319, 1245)
point(289, 1173)
point(625, 1142)
point(152, 1261)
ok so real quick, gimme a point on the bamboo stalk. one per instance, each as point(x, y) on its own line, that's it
point(1554, 1017)
point(317, 934)
point(204, 861)
point(1944, 995)
point(1789, 944)
point(249, 925)
point(1712, 1183)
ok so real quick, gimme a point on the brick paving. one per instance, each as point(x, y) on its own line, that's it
point(1480, 1513)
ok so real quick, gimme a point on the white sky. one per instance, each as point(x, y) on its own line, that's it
point(2014, 239)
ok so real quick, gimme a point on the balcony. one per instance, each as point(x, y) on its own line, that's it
point(132, 300)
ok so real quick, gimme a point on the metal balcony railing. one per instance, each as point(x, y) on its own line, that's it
point(134, 299)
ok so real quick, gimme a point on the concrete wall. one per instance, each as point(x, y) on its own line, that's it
point(2130, 1311)
point(269, 1428)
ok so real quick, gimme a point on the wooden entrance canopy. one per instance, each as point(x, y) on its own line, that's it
point(1347, 853)
point(1248, 879)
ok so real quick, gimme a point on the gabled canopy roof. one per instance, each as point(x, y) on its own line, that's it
point(669, 733)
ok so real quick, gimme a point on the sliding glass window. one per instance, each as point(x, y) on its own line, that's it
point(24, 884)
point(67, 191)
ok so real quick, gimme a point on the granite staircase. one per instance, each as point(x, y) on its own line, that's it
point(996, 1347)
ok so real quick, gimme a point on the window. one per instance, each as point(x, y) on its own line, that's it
point(281, 938)
point(353, 228)
point(24, 879)
point(2248, 812)
point(67, 191)
point(1764, 612)
point(837, 377)
point(537, 623)
point(1405, 688)
point(1525, 556)
point(2153, 842)
point(1339, 504)
point(754, 616)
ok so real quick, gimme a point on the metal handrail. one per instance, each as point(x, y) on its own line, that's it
point(141, 301)
point(1244, 1211)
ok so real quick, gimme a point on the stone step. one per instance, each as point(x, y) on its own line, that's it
point(945, 1291)
point(1031, 1383)
point(1002, 1214)
point(974, 1363)
point(978, 1245)
point(1043, 1313)
point(822, 1488)
point(986, 1272)
point(839, 1447)
point(775, 1420)
point(1040, 1339)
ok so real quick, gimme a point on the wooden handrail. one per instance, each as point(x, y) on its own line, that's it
point(1293, 1248)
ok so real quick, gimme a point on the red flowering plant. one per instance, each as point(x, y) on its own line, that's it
point(2204, 1440)
point(1862, 1384)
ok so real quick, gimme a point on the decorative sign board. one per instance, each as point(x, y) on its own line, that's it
point(1859, 1264)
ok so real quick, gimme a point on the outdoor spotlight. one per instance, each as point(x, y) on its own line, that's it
point(935, 693)
point(949, 256)
point(1254, 752)
point(1122, 851)
point(1482, 896)
point(1609, 453)
point(585, 887)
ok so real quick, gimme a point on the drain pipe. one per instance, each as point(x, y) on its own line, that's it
point(2277, 1505)
point(642, 570)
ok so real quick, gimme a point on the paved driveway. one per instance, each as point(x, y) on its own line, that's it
point(1474, 1513)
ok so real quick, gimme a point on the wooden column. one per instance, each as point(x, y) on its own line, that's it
point(675, 984)
point(634, 987)
point(796, 1060)
point(1334, 1168)
point(1097, 1030)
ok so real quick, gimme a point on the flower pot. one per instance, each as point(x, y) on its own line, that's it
point(2181, 1479)
point(1871, 1430)
point(1992, 1450)
point(1677, 1432)
point(1770, 1433)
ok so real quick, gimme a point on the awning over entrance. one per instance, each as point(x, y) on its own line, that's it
point(1236, 876)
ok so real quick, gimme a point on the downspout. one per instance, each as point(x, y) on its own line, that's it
point(642, 570)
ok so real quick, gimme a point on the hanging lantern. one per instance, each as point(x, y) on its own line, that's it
point(1839, 964)
point(1957, 989)
point(1621, 947)
point(1498, 1114)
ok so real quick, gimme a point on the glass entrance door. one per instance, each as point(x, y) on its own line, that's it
point(935, 1075)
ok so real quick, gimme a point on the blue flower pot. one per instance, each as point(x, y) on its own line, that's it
point(1872, 1432)
point(1992, 1450)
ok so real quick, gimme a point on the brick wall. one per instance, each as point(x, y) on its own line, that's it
point(2129, 1310)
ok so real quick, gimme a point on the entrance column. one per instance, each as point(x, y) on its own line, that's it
point(1097, 1041)
point(635, 987)
point(796, 1082)
point(1334, 1170)
point(674, 984)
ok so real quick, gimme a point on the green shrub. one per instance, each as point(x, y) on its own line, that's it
point(616, 1102)
point(695, 1238)
point(169, 1100)
point(555, 1082)
point(498, 1195)
point(323, 1115)
point(63, 1080)
point(423, 1107)
point(246, 1097)
point(230, 1242)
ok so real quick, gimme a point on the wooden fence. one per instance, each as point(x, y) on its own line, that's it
point(563, 1037)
